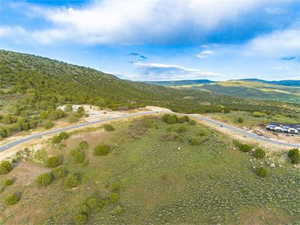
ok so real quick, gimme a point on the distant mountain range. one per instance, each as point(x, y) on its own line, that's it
point(293, 83)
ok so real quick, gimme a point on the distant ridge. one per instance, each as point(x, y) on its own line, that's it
point(180, 82)
point(290, 83)
point(294, 83)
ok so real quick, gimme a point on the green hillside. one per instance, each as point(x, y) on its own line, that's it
point(32, 87)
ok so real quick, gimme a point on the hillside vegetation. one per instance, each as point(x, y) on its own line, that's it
point(149, 171)
point(32, 87)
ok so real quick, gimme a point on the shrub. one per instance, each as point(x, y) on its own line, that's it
point(64, 135)
point(48, 124)
point(114, 197)
point(45, 179)
point(13, 198)
point(78, 155)
point(81, 219)
point(60, 137)
point(5, 167)
point(54, 161)
point(192, 122)
point(259, 153)
point(294, 156)
point(84, 145)
point(170, 118)
point(9, 181)
point(240, 120)
point(84, 208)
point(102, 150)
point(194, 141)
point(261, 172)
point(108, 127)
point(60, 172)
point(181, 129)
point(72, 180)
point(243, 147)
point(92, 202)
point(259, 114)
point(183, 119)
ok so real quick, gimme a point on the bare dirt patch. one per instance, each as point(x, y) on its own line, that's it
point(27, 172)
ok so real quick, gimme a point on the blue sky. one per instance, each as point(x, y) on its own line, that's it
point(160, 39)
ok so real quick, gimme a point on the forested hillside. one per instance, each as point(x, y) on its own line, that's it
point(32, 87)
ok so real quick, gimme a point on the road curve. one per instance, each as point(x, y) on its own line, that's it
point(58, 130)
point(230, 128)
point(244, 133)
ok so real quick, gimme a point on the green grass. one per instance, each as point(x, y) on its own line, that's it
point(249, 120)
point(164, 181)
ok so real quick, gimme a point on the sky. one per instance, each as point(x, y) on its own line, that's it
point(160, 39)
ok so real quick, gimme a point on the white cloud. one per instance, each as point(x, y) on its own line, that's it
point(158, 71)
point(205, 53)
point(277, 44)
point(143, 21)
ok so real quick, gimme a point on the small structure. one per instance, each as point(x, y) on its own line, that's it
point(284, 128)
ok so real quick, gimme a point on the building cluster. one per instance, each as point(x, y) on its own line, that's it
point(284, 128)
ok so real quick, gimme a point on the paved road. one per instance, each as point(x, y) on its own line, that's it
point(233, 129)
point(58, 130)
point(244, 133)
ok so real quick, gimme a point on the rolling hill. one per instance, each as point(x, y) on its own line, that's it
point(32, 88)
point(282, 91)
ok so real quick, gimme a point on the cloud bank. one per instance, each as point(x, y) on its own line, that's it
point(144, 21)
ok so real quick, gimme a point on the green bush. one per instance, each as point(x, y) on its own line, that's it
point(170, 118)
point(181, 129)
point(84, 208)
point(45, 179)
point(9, 181)
point(294, 156)
point(5, 167)
point(108, 127)
point(240, 120)
point(13, 198)
point(259, 114)
point(78, 155)
point(54, 161)
point(114, 197)
point(60, 137)
point(194, 141)
point(192, 122)
point(72, 180)
point(60, 172)
point(102, 150)
point(48, 124)
point(84, 145)
point(243, 147)
point(259, 153)
point(81, 219)
point(183, 119)
point(92, 203)
point(261, 172)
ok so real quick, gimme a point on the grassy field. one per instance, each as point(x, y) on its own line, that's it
point(156, 173)
point(251, 120)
